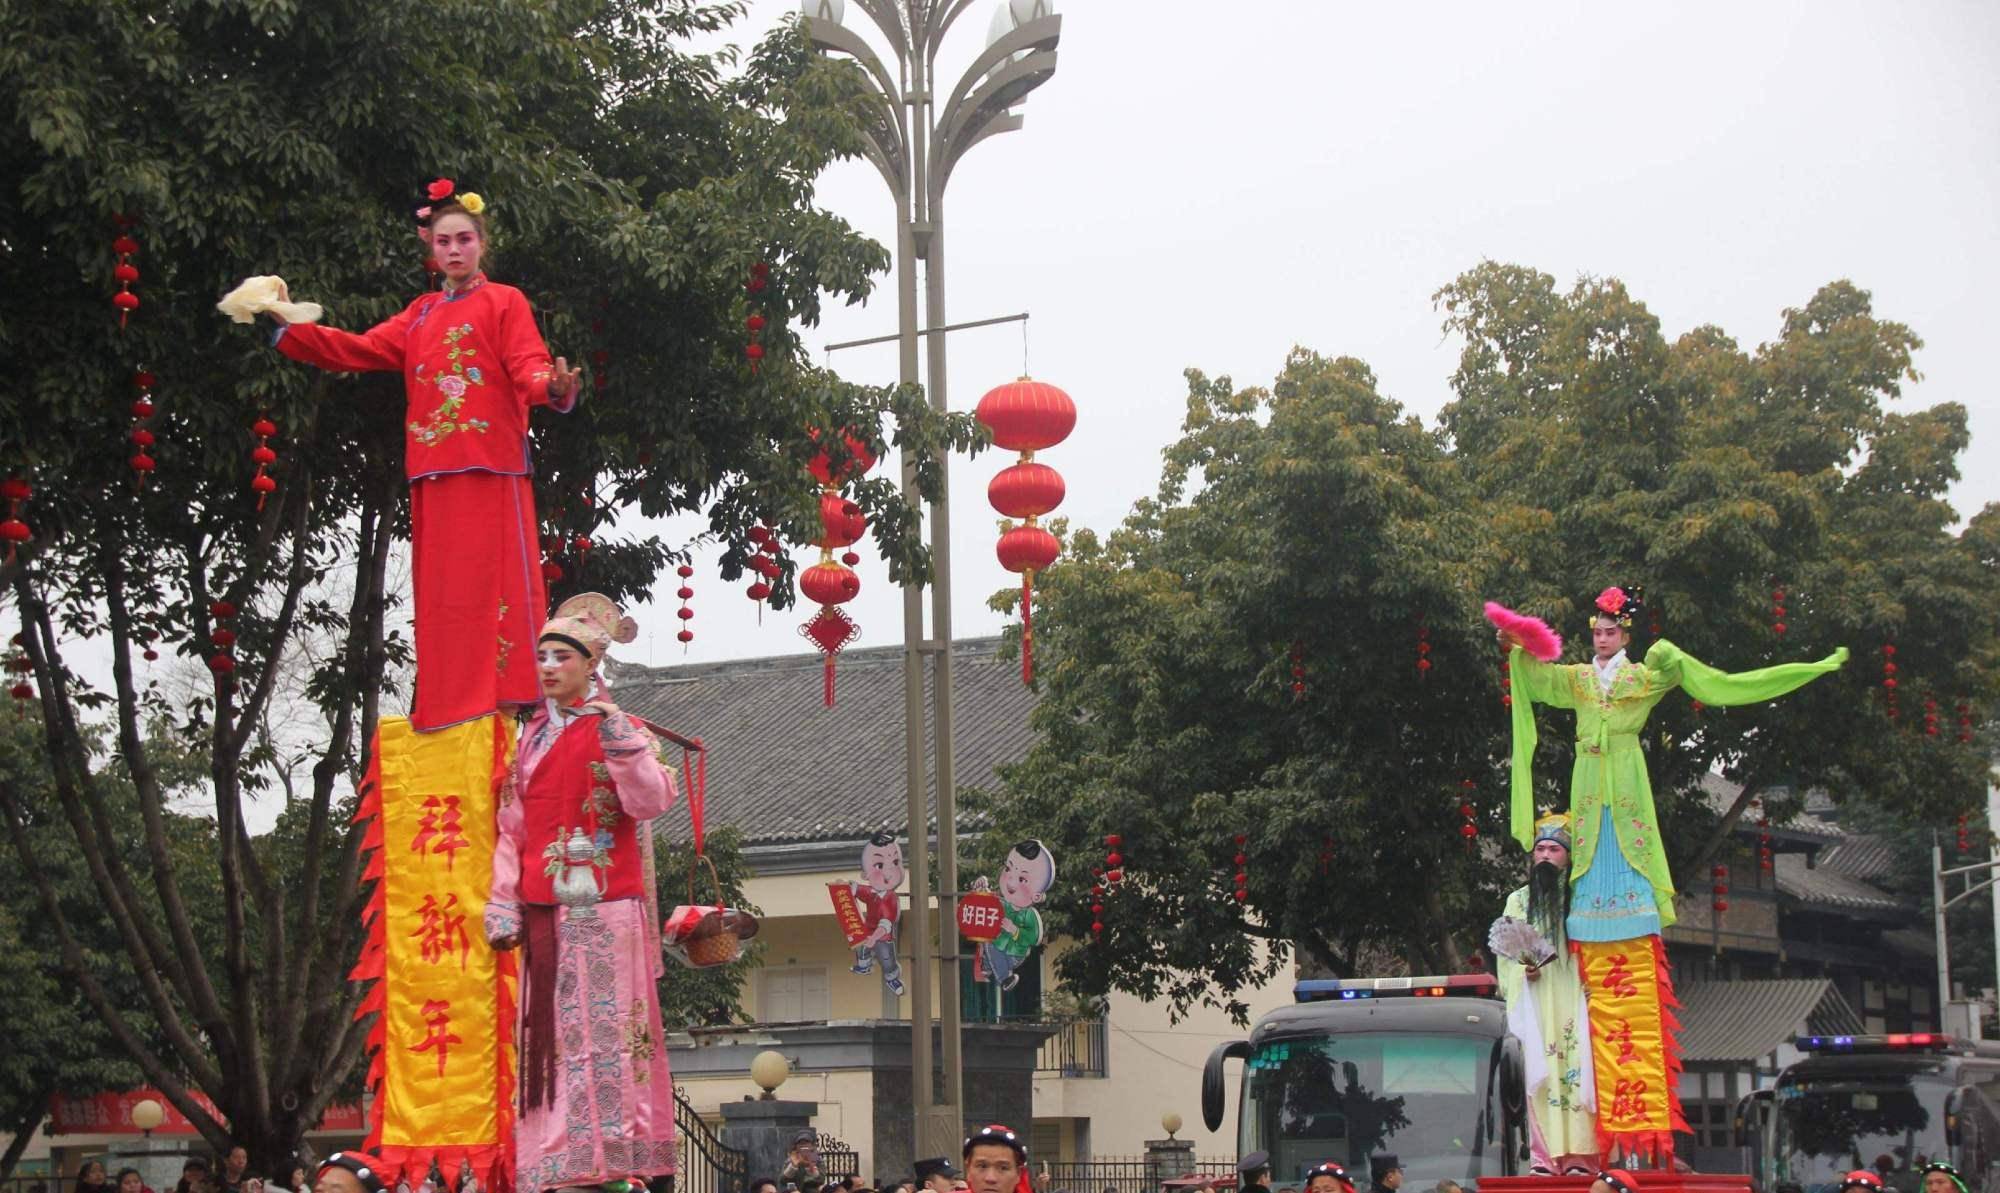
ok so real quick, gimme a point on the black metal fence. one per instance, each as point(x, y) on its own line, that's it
point(1077, 1049)
point(1125, 1174)
point(707, 1165)
point(837, 1161)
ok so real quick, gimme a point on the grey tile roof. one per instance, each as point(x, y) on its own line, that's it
point(1823, 887)
point(1736, 1022)
point(1863, 855)
point(784, 768)
point(1721, 793)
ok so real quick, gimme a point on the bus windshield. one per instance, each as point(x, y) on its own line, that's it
point(1424, 1099)
point(1828, 1128)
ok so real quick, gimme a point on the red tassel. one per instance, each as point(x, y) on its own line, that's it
point(829, 681)
point(1028, 625)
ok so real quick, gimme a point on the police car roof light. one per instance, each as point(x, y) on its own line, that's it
point(1926, 1041)
point(1467, 985)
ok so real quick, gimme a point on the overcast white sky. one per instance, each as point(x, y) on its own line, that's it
point(1208, 184)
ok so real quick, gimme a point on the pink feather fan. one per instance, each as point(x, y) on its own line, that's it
point(1532, 633)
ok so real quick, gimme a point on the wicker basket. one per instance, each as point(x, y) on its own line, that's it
point(703, 935)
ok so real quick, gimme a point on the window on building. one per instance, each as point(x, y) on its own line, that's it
point(795, 994)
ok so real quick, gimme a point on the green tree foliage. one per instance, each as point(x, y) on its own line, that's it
point(631, 186)
point(1583, 449)
point(705, 997)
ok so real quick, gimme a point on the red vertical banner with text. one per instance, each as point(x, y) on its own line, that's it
point(442, 1050)
point(1633, 1046)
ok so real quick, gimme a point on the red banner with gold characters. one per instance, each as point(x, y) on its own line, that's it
point(848, 912)
point(1634, 1045)
point(442, 1050)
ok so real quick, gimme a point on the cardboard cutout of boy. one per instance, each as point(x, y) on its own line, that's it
point(880, 906)
point(1025, 879)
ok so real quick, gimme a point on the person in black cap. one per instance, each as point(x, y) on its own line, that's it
point(996, 1161)
point(1385, 1174)
point(1328, 1177)
point(1253, 1171)
point(349, 1172)
point(937, 1174)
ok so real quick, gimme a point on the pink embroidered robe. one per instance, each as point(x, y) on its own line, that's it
point(612, 1114)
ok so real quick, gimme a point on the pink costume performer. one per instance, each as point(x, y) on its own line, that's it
point(573, 883)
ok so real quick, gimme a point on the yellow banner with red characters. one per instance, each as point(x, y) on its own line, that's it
point(442, 1049)
point(1633, 1046)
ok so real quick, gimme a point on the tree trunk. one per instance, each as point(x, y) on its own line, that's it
point(22, 1121)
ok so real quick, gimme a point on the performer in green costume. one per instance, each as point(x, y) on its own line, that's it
point(1625, 891)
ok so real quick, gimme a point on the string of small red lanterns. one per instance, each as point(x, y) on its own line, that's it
point(551, 547)
point(763, 561)
point(1764, 855)
point(1469, 830)
point(141, 460)
point(262, 482)
point(1720, 889)
point(1964, 833)
point(1778, 610)
point(1889, 678)
point(1423, 650)
point(1027, 416)
point(831, 583)
point(1930, 716)
point(124, 272)
point(14, 531)
point(1242, 877)
point(1298, 657)
point(686, 612)
point(18, 666)
point(1964, 723)
point(223, 639)
point(760, 277)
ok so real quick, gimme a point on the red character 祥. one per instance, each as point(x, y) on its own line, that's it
point(440, 830)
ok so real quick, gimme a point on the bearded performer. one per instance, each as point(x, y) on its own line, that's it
point(1622, 894)
point(1547, 1012)
point(573, 887)
point(473, 364)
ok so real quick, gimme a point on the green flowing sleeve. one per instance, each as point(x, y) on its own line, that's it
point(1723, 688)
point(1534, 682)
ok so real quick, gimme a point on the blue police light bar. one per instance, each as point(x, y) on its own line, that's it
point(1462, 985)
point(1913, 1041)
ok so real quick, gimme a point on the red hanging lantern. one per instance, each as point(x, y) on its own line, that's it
point(1964, 836)
point(1027, 416)
point(830, 583)
point(1778, 610)
point(1964, 723)
point(14, 531)
point(1468, 813)
point(223, 661)
point(261, 482)
point(1506, 683)
point(1423, 651)
point(124, 272)
point(1298, 658)
point(1325, 854)
point(1930, 717)
point(1242, 876)
point(1889, 679)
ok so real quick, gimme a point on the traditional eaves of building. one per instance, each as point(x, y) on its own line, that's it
point(798, 779)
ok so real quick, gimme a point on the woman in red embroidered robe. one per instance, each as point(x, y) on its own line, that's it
point(472, 363)
point(573, 886)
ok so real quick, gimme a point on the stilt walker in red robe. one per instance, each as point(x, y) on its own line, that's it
point(473, 364)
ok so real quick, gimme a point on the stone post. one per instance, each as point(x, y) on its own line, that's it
point(765, 1130)
point(1167, 1159)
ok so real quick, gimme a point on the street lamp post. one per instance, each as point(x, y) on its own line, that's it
point(914, 141)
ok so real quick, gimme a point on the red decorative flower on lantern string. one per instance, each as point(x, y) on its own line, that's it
point(685, 613)
point(261, 482)
point(14, 531)
point(831, 583)
point(1027, 416)
point(124, 273)
point(141, 462)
